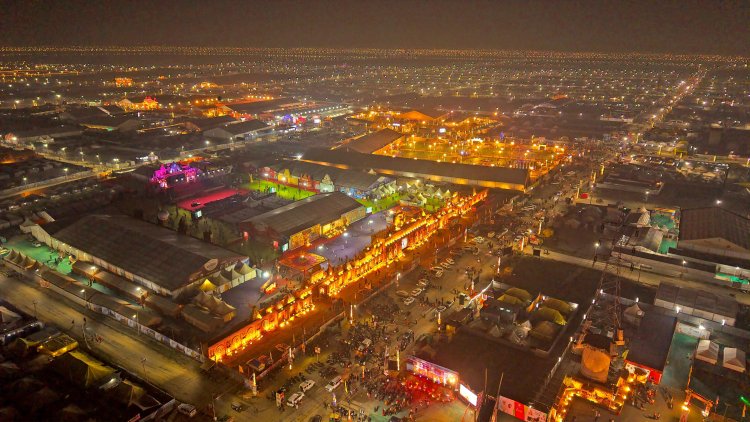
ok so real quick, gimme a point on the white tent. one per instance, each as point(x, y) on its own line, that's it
point(707, 351)
point(734, 359)
point(633, 314)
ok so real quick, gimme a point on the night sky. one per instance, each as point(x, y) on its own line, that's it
point(683, 26)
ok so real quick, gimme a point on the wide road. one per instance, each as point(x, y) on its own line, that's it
point(649, 278)
point(172, 371)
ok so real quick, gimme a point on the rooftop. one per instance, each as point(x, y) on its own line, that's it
point(650, 346)
point(715, 222)
point(374, 141)
point(256, 107)
point(418, 168)
point(299, 215)
point(167, 258)
point(243, 127)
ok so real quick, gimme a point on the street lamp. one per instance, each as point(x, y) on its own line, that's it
point(135, 317)
point(596, 251)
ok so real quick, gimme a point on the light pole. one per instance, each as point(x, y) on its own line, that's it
point(34, 303)
point(135, 317)
point(85, 299)
point(143, 364)
point(596, 250)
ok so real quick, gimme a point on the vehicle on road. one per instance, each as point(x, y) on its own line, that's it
point(441, 308)
point(281, 347)
point(306, 385)
point(450, 261)
point(416, 292)
point(295, 399)
point(445, 265)
point(187, 409)
point(402, 293)
point(438, 274)
point(237, 407)
point(408, 301)
point(422, 283)
point(333, 384)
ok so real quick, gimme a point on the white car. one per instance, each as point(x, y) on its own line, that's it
point(422, 283)
point(408, 301)
point(187, 409)
point(416, 292)
point(445, 265)
point(306, 385)
point(295, 399)
point(450, 261)
point(479, 239)
point(438, 274)
point(402, 293)
point(335, 382)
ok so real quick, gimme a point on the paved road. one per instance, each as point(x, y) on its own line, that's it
point(177, 374)
point(652, 279)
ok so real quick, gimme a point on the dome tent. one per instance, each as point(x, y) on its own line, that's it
point(548, 314)
point(519, 293)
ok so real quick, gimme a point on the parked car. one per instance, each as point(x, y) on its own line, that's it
point(402, 293)
point(295, 399)
point(281, 347)
point(306, 385)
point(408, 301)
point(416, 292)
point(422, 283)
point(333, 384)
point(187, 409)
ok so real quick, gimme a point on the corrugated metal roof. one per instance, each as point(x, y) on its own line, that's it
point(152, 252)
point(650, 346)
point(374, 141)
point(715, 222)
point(297, 216)
point(381, 163)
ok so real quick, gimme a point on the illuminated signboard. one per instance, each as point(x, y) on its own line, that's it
point(520, 410)
point(441, 130)
point(467, 394)
point(434, 373)
point(199, 214)
point(404, 243)
point(368, 210)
